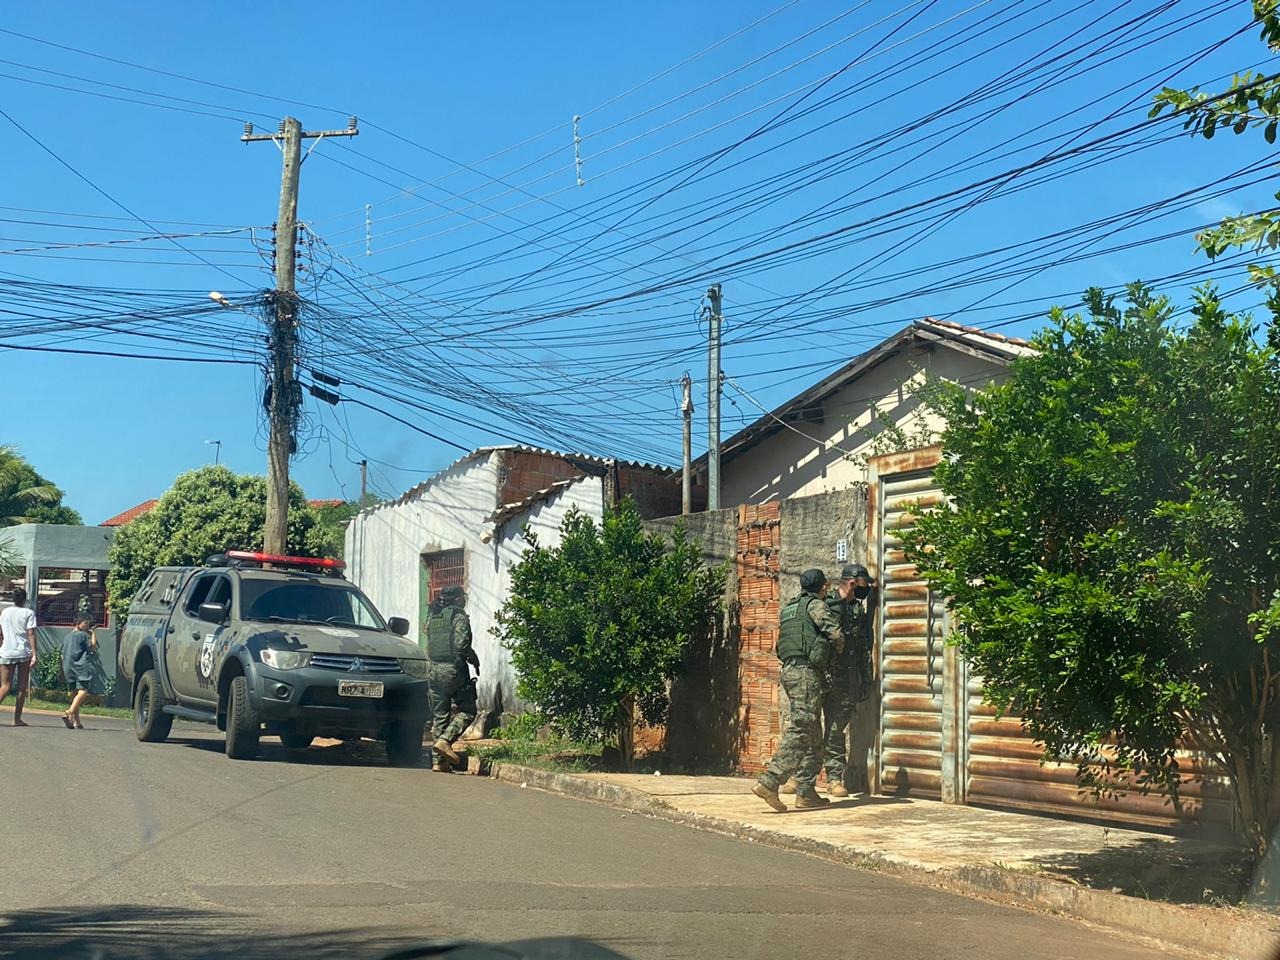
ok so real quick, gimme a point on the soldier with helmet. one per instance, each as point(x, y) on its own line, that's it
point(451, 691)
point(808, 639)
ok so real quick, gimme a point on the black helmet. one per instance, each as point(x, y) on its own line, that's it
point(811, 581)
point(851, 571)
point(452, 596)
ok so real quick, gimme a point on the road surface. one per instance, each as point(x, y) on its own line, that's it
point(173, 850)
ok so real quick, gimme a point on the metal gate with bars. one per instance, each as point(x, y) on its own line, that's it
point(937, 738)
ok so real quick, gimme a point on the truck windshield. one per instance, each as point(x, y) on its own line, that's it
point(304, 602)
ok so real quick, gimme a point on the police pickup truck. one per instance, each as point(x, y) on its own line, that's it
point(283, 645)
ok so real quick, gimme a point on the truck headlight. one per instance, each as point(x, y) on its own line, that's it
point(415, 668)
point(284, 659)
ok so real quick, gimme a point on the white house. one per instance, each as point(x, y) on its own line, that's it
point(464, 526)
point(819, 440)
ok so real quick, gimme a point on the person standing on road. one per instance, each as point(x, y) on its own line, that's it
point(77, 667)
point(808, 636)
point(451, 691)
point(17, 652)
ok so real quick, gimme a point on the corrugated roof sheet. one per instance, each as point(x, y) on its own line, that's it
point(509, 510)
point(480, 452)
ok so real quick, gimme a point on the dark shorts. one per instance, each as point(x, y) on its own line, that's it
point(78, 684)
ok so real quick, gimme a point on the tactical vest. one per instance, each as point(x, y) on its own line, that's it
point(796, 632)
point(440, 647)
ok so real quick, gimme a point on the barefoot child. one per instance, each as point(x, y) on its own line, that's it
point(77, 667)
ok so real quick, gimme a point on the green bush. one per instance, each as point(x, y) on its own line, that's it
point(48, 672)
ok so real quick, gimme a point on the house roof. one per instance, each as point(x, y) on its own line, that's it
point(482, 452)
point(130, 515)
point(133, 513)
point(995, 347)
point(515, 508)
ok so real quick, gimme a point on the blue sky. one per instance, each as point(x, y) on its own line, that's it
point(499, 299)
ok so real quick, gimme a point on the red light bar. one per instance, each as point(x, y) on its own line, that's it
point(322, 563)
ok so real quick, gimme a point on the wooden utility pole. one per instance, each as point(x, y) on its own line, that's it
point(713, 399)
point(686, 480)
point(285, 394)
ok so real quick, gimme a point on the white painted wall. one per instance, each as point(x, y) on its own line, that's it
point(786, 464)
point(385, 544)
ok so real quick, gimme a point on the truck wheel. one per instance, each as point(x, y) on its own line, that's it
point(243, 729)
point(404, 742)
point(150, 722)
point(296, 741)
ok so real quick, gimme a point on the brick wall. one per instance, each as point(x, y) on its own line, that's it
point(758, 565)
point(656, 495)
point(526, 473)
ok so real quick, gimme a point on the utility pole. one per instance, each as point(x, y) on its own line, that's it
point(285, 394)
point(713, 400)
point(217, 450)
point(686, 480)
point(364, 483)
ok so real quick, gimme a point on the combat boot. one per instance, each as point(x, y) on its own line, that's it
point(441, 765)
point(789, 787)
point(810, 801)
point(769, 796)
point(445, 748)
point(838, 789)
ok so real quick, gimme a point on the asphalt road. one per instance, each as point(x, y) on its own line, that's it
point(173, 850)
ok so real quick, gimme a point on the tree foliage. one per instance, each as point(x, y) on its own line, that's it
point(27, 497)
point(327, 535)
point(597, 626)
point(1252, 101)
point(1112, 551)
point(206, 511)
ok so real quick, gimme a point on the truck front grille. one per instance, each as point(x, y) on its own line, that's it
point(349, 664)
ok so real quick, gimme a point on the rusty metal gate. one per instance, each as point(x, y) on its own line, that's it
point(937, 738)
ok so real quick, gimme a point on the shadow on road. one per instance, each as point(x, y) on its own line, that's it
point(363, 753)
point(130, 932)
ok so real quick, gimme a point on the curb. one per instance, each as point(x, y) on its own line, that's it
point(1196, 929)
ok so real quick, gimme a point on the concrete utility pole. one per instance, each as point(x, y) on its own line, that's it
point(364, 483)
point(285, 395)
point(713, 400)
point(686, 481)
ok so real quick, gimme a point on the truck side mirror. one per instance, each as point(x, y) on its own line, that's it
point(212, 612)
point(399, 626)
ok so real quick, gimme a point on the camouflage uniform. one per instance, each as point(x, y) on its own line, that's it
point(450, 689)
point(847, 685)
point(803, 669)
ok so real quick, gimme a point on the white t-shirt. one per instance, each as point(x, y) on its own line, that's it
point(14, 624)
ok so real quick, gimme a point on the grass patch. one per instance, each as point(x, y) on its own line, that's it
point(40, 703)
point(527, 743)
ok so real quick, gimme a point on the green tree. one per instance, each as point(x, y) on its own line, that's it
point(597, 625)
point(27, 497)
point(206, 511)
point(327, 536)
point(1252, 101)
point(1112, 546)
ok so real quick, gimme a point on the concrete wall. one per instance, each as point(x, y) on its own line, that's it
point(385, 544)
point(702, 729)
point(810, 527)
point(827, 457)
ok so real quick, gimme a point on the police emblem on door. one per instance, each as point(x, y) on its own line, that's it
point(206, 657)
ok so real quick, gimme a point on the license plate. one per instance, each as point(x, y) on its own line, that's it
point(360, 688)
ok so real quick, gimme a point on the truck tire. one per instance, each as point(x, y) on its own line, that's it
point(404, 742)
point(150, 722)
point(243, 727)
point(296, 741)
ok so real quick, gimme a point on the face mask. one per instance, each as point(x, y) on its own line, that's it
point(862, 593)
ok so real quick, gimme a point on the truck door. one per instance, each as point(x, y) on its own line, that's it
point(190, 667)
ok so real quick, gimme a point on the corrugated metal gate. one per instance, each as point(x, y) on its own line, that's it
point(911, 654)
point(937, 738)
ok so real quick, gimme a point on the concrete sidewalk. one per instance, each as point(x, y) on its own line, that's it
point(1146, 883)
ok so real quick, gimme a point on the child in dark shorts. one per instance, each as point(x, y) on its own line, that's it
point(77, 667)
